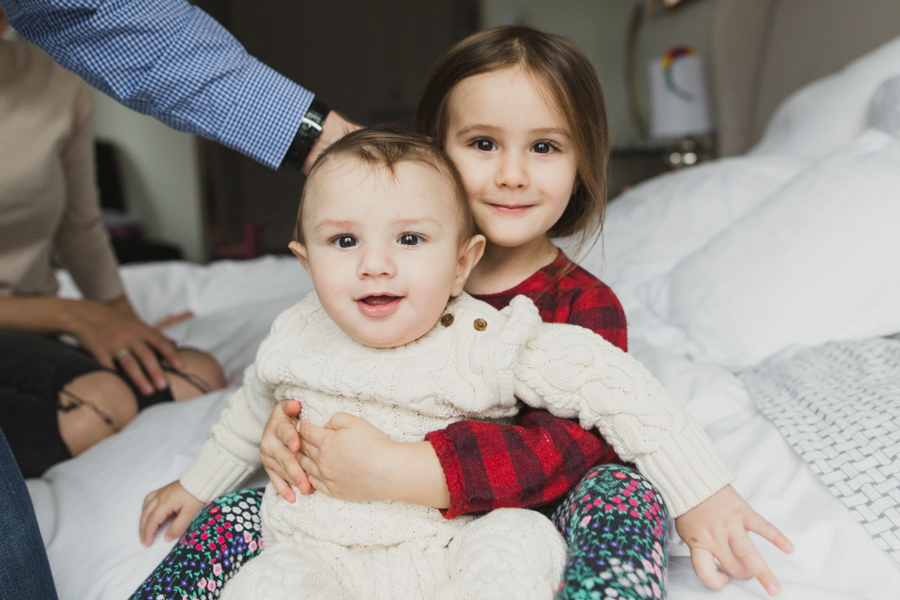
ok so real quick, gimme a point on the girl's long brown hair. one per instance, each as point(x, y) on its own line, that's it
point(573, 86)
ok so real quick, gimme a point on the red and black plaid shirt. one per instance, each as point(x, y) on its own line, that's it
point(540, 459)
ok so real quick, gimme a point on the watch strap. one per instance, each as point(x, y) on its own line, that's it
point(307, 134)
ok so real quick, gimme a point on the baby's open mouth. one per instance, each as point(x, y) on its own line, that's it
point(379, 300)
point(379, 305)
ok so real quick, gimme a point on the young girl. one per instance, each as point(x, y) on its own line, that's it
point(521, 113)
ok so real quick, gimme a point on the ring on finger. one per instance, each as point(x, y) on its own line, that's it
point(122, 354)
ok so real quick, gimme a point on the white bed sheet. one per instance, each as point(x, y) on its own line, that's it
point(90, 506)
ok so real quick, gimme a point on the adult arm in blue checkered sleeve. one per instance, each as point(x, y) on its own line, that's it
point(170, 60)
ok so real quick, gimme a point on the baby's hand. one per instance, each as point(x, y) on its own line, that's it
point(280, 441)
point(166, 501)
point(717, 528)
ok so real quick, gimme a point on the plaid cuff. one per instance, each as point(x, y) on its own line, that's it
point(449, 460)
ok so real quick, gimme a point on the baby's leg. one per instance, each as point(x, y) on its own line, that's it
point(508, 553)
point(285, 572)
point(615, 524)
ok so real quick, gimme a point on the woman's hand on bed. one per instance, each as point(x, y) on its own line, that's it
point(351, 459)
point(114, 333)
point(278, 447)
point(159, 505)
point(718, 528)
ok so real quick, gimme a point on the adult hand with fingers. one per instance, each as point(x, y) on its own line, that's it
point(113, 334)
point(717, 529)
point(278, 447)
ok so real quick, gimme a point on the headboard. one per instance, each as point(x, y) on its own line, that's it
point(763, 50)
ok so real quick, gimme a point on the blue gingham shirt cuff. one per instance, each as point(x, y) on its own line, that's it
point(174, 62)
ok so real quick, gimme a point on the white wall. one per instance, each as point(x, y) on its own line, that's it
point(600, 28)
point(161, 175)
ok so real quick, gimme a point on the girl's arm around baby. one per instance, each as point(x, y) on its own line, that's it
point(572, 372)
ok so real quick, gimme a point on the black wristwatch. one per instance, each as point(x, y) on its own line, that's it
point(309, 131)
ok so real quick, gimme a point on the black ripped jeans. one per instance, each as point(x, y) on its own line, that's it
point(33, 370)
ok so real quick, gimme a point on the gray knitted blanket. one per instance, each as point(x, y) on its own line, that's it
point(838, 405)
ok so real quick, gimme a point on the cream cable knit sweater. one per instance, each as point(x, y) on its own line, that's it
point(453, 373)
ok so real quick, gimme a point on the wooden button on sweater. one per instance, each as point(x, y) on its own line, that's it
point(447, 320)
point(480, 324)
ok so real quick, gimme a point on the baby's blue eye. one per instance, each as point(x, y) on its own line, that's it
point(485, 145)
point(345, 241)
point(410, 239)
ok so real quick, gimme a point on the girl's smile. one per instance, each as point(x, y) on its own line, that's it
point(510, 209)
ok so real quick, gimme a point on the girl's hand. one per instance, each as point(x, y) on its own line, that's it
point(172, 499)
point(346, 459)
point(280, 441)
point(351, 459)
point(717, 529)
point(114, 333)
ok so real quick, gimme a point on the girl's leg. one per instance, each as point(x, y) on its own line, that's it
point(615, 525)
point(221, 538)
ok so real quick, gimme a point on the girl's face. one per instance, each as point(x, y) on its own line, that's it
point(515, 153)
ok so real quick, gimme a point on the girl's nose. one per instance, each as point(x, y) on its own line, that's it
point(512, 171)
point(376, 262)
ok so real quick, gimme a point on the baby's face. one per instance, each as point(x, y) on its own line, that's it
point(382, 250)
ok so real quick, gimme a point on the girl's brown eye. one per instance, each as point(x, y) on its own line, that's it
point(410, 239)
point(543, 148)
point(484, 145)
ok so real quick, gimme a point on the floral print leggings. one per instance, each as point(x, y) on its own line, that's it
point(614, 522)
point(616, 527)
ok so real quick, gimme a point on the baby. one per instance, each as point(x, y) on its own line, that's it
point(385, 233)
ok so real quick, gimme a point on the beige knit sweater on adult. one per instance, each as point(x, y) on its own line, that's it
point(453, 373)
point(49, 206)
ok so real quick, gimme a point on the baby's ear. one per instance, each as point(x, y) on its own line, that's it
point(299, 251)
point(469, 255)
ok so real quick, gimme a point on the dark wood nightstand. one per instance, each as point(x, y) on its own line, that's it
point(630, 166)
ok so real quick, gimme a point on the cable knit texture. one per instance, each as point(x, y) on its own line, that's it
point(475, 368)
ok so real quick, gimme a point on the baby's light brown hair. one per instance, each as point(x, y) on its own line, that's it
point(385, 147)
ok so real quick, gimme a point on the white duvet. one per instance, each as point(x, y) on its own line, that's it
point(656, 236)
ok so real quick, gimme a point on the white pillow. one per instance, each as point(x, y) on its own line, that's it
point(818, 261)
point(649, 229)
point(831, 111)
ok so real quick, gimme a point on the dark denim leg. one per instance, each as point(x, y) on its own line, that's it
point(24, 570)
